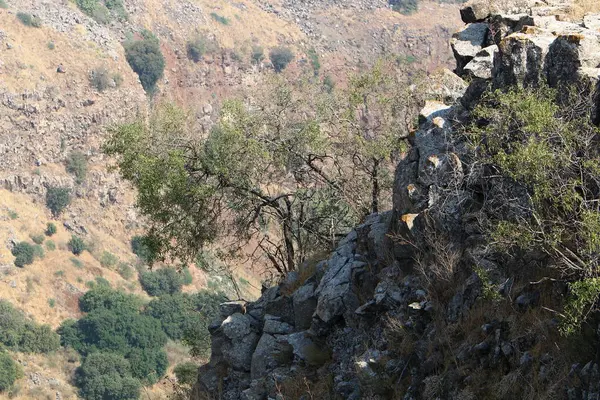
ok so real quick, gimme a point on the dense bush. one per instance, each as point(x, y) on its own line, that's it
point(76, 245)
point(143, 248)
point(280, 57)
point(114, 324)
point(105, 376)
point(57, 199)
point(181, 313)
point(110, 299)
point(24, 254)
point(161, 282)
point(21, 334)
point(146, 59)
point(77, 166)
point(186, 373)
point(9, 371)
point(50, 229)
point(29, 20)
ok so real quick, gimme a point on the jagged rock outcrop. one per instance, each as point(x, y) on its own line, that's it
point(378, 319)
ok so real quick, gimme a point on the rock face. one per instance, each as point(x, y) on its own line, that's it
point(379, 318)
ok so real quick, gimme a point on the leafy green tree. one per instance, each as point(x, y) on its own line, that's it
point(106, 376)
point(57, 199)
point(161, 282)
point(9, 372)
point(280, 58)
point(76, 245)
point(146, 59)
point(144, 248)
point(24, 254)
point(195, 189)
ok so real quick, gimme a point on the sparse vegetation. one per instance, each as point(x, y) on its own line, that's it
point(50, 245)
point(13, 214)
point(3, 4)
point(103, 11)
point(51, 45)
point(57, 199)
point(220, 19)
point(100, 78)
point(38, 251)
point(161, 282)
point(125, 270)
point(280, 58)
point(50, 229)
point(108, 259)
point(405, 7)
point(76, 245)
point(37, 239)
point(200, 45)
point(24, 254)
point(146, 59)
point(186, 276)
point(29, 20)
point(76, 165)
point(258, 54)
point(77, 262)
point(313, 57)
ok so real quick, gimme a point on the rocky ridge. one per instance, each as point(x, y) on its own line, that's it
point(376, 320)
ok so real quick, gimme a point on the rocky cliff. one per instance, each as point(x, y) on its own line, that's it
point(401, 309)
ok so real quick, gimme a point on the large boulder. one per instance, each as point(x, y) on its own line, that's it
point(480, 67)
point(467, 42)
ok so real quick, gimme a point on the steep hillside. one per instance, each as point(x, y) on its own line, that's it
point(479, 283)
point(65, 81)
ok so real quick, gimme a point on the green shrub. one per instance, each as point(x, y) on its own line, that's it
point(3, 4)
point(24, 254)
point(21, 334)
point(146, 59)
point(258, 54)
point(100, 78)
point(196, 48)
point(161, 282)
point(9, 371)
point(76, 245)
point(38, 251)
point(77, 166)
point(51, 303)
point(280, 57)
point(405, 7)
point(57, 199)
point(59, 274)
point(125, 270)
point(106, 376)
point(108, 259)
point(29, 20)
point(143, 248)
point(102, 282)
point(186, 373)
point(313, 57)
point(50, 229)
point(13, 214)
point(220, 19)
point(117, 79)
point(77, 262)
point(37, 239)
point(50, 245)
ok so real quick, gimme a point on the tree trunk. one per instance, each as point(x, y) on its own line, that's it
point(287, 236)
point(375, 183)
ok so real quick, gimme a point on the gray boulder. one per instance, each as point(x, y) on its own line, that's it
point(305, 303)
point(480, 67)
point(467, 42)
